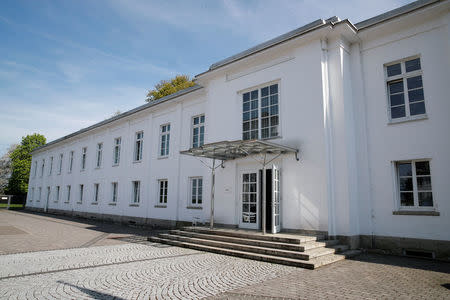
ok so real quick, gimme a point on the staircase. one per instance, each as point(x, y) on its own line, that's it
point(288, 249)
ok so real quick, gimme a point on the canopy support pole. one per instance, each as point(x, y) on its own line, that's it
point(264, 183)
point(213, 182)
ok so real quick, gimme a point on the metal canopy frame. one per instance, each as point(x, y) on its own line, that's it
point(230, 150)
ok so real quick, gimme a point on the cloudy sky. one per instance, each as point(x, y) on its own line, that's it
point(65, 65)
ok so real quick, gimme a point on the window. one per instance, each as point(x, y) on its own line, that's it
point(31, 195)
point(405, 89)
point(42, 167)
point(136, 192)
point(70, 161)
point(83, 158)
point(96, 191)
point(81, 193)
point(138, 146)
point(163, 185)
point(116, 154)
point(39, 194)
point(68, 188)
point(196, 191)
point(51, 166)
point(98, 161)
point(48, 194)
point(198, 131)
point(58, 188)
point(260, 117)
point(164, 140)
point(35, 168)
point(60, 163)
point(114, 187)
point(414, 184)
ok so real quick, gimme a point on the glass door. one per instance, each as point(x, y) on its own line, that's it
point(276, 199)
point(249, 200)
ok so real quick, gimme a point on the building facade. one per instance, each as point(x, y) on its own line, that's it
point(366, 104)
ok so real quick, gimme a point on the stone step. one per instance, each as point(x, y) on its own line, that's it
point(254, 235)
point(311, 264)
point(259, 243)
point(308, 255)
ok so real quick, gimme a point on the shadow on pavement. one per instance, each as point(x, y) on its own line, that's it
point(92, 293)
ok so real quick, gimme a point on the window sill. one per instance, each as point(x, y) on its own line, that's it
point(134, 204)
point(97, 168)
point(416, 213)
point(112, 204)
point(160, 206)
point(115, 165)
point(194, 207)
point(66, 202)
point(38, 200)
point(94, 203)
point(408, 119)
point(79, 202)
point(55, 201)
point(83, 170)
point(137, 161)
point(163, 157)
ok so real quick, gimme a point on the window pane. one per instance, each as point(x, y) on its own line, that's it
point(394, 69)
point(274, 99)
point(414, 82)
point(404, 169)
point(264, 112)
point(254, 104)
point(246, 116)
point(274, 89)
point(254, 124)
point(424, 183)
point(253, 208)
point(397, 99)
point(265, 133)
point(254, 94)
point(254, 135)
point(253, 177)
point(246, 126)
point(246, 97)
point(406, 184)
point(265, 91)
point(398, 112)
point(412, 65)
point(274, 110)
point(265, 122)
point(274, 120)
point(246, 106)
point(274, 131)
point(422, 168)
point(406, 199)
point(246, 136)
point(415, 95)
point(417, 108)
point(395, 87)
point(425, 199)
point(265, 101)
point(254, 114)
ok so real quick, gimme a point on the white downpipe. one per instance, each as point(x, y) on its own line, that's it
point(213, 182)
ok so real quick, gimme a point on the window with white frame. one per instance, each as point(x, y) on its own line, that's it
point(196, 195)
point(116, 151)
point(96, 192)
point(70, 161)
point(32, 195)
point(42, 167)
point(68, 190)
point(39, 194)
point(260, 113)
point(114, 191)
point(163, 187)
point(83, 158)
point(35, 168)
point(60, 163)
point(48, 194)
point(405, 89)
point(136, 185)
point(164, 140)
point(80, 199)
point(198, 131)
point(414, 184)
point(57, 192)
point(138, 146)
point(98, 160)
point(50, 170)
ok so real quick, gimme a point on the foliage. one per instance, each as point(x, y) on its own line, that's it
point(5, 168)
point(21, 163)
point(168, 87)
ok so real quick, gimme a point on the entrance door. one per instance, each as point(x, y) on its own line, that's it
point(249, 200)
point(276, 199)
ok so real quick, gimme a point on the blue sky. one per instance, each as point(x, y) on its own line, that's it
point(65, 65)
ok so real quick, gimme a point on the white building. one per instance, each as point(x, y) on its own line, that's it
point(365, 104)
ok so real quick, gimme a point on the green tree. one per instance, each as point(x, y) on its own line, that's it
point(168, 87)
point(21, 163)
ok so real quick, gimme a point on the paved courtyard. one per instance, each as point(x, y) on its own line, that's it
point(93, 260)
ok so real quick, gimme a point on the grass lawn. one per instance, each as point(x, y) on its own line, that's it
point(5, 205)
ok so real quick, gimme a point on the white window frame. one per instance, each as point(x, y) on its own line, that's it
point(81, 193)
point(31, 194)
point(397, 198)
point(83, 158)
point(71, 161)
point(138, 146)
point(163, 197)
point(99, 156)
point(404, 77)
point(68, 190)
point(42, 167)
point(57, 193)
point(96, 192)
point(114, 191)
point(61, 156)
point(35, 168)
point(135, 192)
point(164, 149)
point(191, 185)
point(199, 126)
point(50, 170)
point(39, 194)
point(49, 190)
point(116, 151)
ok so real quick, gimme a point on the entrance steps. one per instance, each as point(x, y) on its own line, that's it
point(294, 250)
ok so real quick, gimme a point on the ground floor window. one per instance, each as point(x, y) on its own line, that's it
point(136, 192)
point(81, 193)
point(249, 197)
point(68, 194)
point(196, 195)
point(114, 187)
point(163, 187)
point(48, 194)
point(414, 184)
point(39, 194)
point(58, 188)
point(96, 191)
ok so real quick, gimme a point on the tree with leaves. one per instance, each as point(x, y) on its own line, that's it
point(5, 168)
point(168, 87)
point(21, 163)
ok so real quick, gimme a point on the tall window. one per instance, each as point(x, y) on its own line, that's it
point(198, 131)
point(70, 161)
point(196, 191)
point(39, 194)
point(114, 187)
point(405, 89)
point(139, 143)
point(58, 190)
point(116, 152)
point(163, 186)
point(32, 195)
point(260, 114)
point(83, 158)
point(35, 168)
point(96, 191)
point(98, 160)
point(164, 140)
point(68, 188)
point(42, 167)
point(50, 170)
point(60, 163)
point(414, 178)
point(48, 194)
point(136, 191)
point(81, 193)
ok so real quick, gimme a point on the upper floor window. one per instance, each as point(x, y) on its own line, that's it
point(60, 163)
point(35, 168)
point(98, 161)
point(164, 140)
point(50, 170)
point(414, 184)
point(70, 161)
point(42, 167)
point(405, 89)
point(139, 143)
point(260, 115)
point(83, 158)
point(163, 187)
point(196, 191)
point(198, 131)
point(116, 152)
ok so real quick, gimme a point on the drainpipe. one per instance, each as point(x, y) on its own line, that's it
point(213, 181)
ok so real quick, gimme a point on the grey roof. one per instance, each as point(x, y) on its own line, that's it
point(123, 115)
